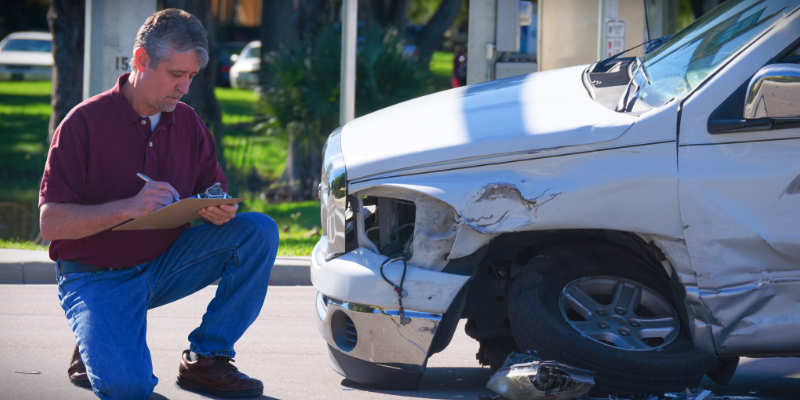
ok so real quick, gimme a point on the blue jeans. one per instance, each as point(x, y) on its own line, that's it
point(107, 310)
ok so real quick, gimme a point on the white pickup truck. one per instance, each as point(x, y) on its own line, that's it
point(638, 217)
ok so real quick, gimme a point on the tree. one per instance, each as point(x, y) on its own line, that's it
point(285, 27)
point(387, 13)
point(700, 7)
point(301, 71)
point(201, 94)
point(65, 18)
point(432, 34)
point(28, 15)
point(277, 30)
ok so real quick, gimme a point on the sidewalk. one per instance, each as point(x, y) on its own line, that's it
point(35, 267)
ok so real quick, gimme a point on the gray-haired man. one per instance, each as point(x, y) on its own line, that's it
point(107, 280)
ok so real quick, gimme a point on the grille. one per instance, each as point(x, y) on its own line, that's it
point(389, 224)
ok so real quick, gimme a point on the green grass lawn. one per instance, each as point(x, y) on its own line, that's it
point(248, 151)
point(237, 105)
point(24, 115)
point(298, 223)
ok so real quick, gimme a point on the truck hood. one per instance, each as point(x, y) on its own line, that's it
point(533, 112)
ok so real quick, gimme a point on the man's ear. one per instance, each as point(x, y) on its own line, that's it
point(141, 59)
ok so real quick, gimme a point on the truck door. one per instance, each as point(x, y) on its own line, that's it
point(739, 193)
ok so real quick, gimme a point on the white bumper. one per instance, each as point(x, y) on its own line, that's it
point(355, 277)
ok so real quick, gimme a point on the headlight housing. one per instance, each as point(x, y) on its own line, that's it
point(333, 195)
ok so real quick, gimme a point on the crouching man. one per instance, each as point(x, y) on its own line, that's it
point(107, 280)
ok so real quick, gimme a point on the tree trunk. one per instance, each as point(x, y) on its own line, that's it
point(433, 33)
point(65, 18)
point(387, 13)
point(201, 94)
point(278, 20)
point(700, 7)
point(303, 161)
point(303, 158)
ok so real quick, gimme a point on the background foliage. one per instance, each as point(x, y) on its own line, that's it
point(303, 95)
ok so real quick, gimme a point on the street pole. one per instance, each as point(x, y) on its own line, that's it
point(110, 30)
point(347, 96)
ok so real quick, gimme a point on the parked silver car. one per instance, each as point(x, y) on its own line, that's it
point(26, 56)
point(246, 66)
point(636, 217)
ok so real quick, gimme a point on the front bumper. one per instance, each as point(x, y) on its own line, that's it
point(359, 318)
point(373, 346)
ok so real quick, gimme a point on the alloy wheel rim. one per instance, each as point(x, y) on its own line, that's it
point(619, 313)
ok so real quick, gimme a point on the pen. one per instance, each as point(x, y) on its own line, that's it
point(144, 177)
point(149, 179)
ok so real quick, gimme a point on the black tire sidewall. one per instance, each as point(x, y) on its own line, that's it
point(537, 322)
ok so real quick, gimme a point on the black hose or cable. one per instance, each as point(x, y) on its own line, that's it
point(397, 288)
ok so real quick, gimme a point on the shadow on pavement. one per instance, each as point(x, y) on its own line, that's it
point(438, 383)
point(157, 396)
point(766, 378)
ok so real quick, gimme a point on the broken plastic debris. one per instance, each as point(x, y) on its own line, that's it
point(688, 394)
point(526, 376)
point(33, 372)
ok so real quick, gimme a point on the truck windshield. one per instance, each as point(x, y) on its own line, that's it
point(686, 59)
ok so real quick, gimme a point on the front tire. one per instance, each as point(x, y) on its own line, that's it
point(603, 309)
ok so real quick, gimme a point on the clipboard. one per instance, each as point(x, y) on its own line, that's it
point(173, 215)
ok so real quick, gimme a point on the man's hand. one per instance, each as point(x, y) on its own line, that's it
point(75, 221)
point(151, 197)
point(220, 214)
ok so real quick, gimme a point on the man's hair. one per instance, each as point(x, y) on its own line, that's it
point(171, 30)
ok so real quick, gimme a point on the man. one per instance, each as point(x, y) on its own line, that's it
point(107, 280)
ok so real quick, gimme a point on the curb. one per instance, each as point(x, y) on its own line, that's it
point(35, 267)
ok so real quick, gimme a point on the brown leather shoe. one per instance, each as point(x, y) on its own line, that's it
point(77, 371)
point(216, 376)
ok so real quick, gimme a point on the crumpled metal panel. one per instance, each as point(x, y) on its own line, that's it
point(742, 236)
point(740, 210)
point(679, 262)
point(611, 189)
point(434, 225)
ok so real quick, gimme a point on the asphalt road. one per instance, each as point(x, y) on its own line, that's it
point(282, 348)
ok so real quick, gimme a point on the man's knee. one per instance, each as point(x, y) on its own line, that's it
point(262, 226)
point(124, 385)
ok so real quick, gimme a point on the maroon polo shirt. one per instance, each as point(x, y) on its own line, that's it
point(94, 156)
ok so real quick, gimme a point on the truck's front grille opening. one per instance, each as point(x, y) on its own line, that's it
point(389, 224)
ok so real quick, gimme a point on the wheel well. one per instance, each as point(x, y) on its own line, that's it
point(493, 267)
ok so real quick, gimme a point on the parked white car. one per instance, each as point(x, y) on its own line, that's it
point(637, 217)
point(26, 56)
point(246, 66)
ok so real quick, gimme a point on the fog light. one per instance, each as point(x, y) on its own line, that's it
point(343, 331)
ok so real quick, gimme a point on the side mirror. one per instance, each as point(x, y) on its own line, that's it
point(234, 57)
point(774, 92)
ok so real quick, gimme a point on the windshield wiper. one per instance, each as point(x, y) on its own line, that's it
point(632, 91)
point(640, 68)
